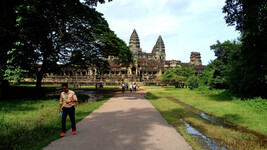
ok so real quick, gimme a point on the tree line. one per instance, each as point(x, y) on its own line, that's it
point(240, 65)
point(39, 37)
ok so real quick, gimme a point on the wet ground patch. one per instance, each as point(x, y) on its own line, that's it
point(84, 95)
point(206, 142)
point(88, 96)
point(247, 138)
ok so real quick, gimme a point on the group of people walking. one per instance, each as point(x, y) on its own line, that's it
point(132, 87)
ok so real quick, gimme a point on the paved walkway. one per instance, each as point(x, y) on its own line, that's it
point(126, 122)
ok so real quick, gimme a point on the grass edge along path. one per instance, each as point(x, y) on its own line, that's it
point(34, 124)
point(250, 113)
point(173, 112)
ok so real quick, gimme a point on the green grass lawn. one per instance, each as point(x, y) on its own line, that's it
point(250, 113)
point(34, 122)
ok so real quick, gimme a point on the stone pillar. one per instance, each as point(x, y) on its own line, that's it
point(160, 71)
point(130, 70)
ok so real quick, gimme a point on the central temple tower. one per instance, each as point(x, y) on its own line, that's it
point(159, 49)
point(134, 44)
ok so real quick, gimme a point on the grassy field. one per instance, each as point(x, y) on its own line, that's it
point(30, 121)
point(33, 122)
point(249, 113)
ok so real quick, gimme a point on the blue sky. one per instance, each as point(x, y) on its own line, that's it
point(185, 25)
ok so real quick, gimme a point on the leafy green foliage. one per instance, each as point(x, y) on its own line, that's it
point(14, 73)
point(8, 32)
point(193, 82)
point(172, 75)
point(250, 68)
point(206, 77)
point(225, 52)
point(13, 69)
point(179, 75)
point(61, 32)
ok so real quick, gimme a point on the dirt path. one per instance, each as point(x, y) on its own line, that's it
point(126, 122)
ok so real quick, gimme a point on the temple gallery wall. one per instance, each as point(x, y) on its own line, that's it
point(147, 68)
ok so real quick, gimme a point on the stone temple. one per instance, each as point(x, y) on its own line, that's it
point(147, 67)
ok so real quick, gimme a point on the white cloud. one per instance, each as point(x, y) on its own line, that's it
point(185, 25)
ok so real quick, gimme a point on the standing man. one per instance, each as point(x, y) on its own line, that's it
point(67, 99)
point(131, 87)
point(123, 87)
point(96, 86)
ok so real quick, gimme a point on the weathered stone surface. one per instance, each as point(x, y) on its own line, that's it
point(195, 59)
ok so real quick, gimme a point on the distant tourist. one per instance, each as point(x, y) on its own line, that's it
point(134, 86)
point(123, 87)
point(100, 85)
point(96, 86)
point(131, 87)
point(137, 86)
point(67, 99)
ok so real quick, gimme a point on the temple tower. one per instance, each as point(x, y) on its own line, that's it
point(134, 44)
point(159, 49)
point(195, 59)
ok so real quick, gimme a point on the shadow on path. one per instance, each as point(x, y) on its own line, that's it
point(126, 121)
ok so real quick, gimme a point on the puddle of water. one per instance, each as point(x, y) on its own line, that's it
point(92, 96)
point(206, 142)
point(84, 91)
point(217, 121)
point(55, 93)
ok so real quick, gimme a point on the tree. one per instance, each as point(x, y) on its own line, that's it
point(206, 77)
point(50, 33)
point(173, 75)
point(193, 82)
point(178, 75)
point(250, 70)
point(8, 37)
point(223, 52)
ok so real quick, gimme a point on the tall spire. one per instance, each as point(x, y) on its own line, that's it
point(159, 46)
point(134, 43)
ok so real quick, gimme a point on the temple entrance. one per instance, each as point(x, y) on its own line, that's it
point(133, 70)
